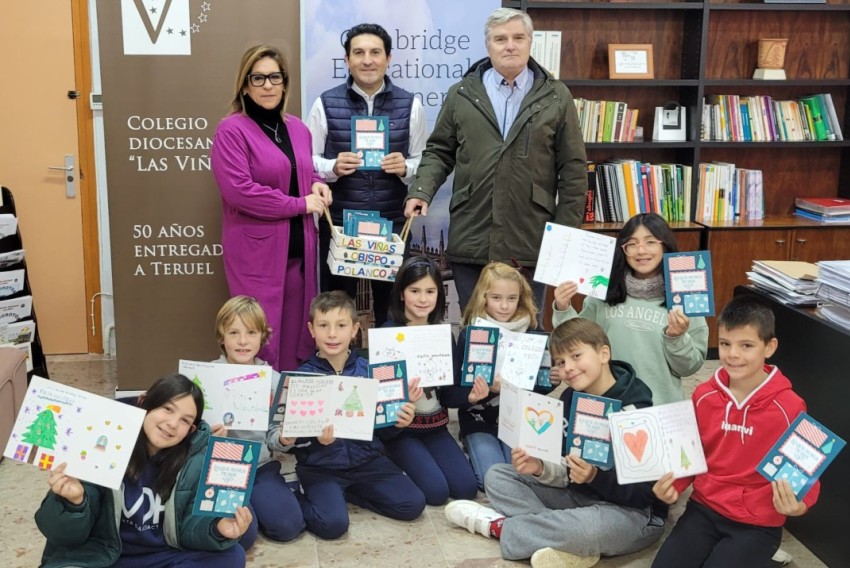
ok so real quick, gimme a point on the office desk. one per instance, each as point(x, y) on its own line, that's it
point(814, 354)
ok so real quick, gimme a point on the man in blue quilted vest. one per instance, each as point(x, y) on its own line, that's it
point(367, 91)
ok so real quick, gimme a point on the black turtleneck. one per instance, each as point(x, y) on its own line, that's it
point(271, 123)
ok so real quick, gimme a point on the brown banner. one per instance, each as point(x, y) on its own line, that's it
point(167, 70)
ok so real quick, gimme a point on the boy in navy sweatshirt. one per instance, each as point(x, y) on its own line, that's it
point(569, 513)
point(333, 471)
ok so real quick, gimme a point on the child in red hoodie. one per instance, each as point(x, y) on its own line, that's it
point(735, 516)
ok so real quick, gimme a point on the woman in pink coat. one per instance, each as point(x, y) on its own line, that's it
point(268, 230)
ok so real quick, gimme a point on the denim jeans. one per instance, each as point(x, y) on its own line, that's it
point(485, 450)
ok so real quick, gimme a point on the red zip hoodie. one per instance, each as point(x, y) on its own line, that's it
point(736, 437)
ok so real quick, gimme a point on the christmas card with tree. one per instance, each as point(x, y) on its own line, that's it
point(234, 395)
point(480, 354)
point(687, 281)
point(227, 477)
point(531, 421)
point(427, 350)
point(583, 257)
point(370, 136)
point(519, 355)
point(392, 391)
point(650, 442)
point(92, 434)
point(801, 454)
point(346, 402)
point(588, 430)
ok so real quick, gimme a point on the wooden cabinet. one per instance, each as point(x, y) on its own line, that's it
point(734, 246)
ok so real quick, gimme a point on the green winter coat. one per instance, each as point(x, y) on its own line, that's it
point(505, 191)
point(87, 536)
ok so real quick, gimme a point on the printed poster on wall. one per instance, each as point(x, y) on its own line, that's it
point(167, 69)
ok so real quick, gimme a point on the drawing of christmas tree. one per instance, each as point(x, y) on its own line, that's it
point(41, 433)
point(197, 382)
point(686, 463)
point(353, 404)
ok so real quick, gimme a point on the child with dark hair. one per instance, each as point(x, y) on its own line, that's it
point(333, 471)
point(663, 345)
point(425, 449)
point(149, 521)
point(735, 516)
point(569, 513)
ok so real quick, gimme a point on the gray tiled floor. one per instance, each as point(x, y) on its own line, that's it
point(372, 541)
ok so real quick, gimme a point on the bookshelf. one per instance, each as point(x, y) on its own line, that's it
point(710, 48)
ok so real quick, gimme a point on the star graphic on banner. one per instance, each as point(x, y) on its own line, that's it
point(202, 18)
point(183, 33)
point(153, 9)
point(169, 31)
point(195, 28)
point(205, 6)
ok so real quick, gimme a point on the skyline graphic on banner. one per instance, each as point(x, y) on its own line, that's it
point(161, 27)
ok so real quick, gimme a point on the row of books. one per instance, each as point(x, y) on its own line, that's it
point(759, 118)
point(546, 50)
point(727, 192)
point(620, 189)
point(606, 121)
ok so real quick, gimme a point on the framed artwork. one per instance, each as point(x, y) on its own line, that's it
point(630, 61)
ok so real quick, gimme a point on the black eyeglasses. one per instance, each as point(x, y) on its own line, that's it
point(258, 79)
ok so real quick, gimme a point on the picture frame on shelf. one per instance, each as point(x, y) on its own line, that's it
point(630, 61)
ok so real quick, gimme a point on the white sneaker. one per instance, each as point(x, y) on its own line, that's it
point(551, 558)
point(472, 516)
point(782, 557)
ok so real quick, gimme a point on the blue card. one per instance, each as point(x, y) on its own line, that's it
point(588, 430)
point(350, 217)
point(227, 476)
point(392, 391)
point(370, 136)
point(801, 454)
point(479, 354)
point(688, 283)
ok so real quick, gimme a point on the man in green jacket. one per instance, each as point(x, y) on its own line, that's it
point(510, 132)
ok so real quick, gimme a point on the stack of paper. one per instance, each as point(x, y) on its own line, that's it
point(791, 282)
point(834, 280)
point(836, 314)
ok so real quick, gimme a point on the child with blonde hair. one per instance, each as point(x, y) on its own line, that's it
point(503, 297)
point(241, 329)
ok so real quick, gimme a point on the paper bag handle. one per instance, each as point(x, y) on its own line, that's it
point(405, 231)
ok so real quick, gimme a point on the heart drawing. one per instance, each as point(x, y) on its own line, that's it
point(538, 420)
point(636, 443)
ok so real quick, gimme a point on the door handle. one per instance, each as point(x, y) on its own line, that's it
point(68, 168)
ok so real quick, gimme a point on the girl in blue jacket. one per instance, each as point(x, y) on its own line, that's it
point(148, 522)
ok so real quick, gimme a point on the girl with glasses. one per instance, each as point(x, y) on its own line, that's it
point(663, 346)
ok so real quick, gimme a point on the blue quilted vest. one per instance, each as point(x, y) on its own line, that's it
point(367, 190)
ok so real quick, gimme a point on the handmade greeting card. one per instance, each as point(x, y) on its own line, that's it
point(801, 454)
point(351, 216)
point(544, 374)
point(519, 355)
point(346, 402)
point(278, 404)
point(649, 442)
point(531, 421)
point(92, 434)
point(687, 281)
point(480, 354)
point(588, 430)
point(572, 254)
point(427, 350)
point(392, 391)
point(227, 477)
point(235, 395)
point(370, 136)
